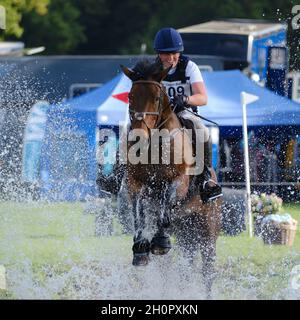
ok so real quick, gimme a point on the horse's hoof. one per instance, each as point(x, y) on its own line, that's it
point(159, 250)
point(140, 260)
point(160, 244)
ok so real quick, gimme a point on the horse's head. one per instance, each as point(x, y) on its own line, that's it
point(147, 97)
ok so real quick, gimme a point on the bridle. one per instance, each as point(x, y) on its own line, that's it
point(140, 116)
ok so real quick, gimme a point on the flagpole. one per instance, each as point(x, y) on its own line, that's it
point(246, 99)
point(247, 170)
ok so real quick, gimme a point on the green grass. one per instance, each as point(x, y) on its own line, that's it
point(58, 236)
point(242, 256)
point(43, 232)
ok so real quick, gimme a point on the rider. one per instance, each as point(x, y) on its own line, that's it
point(186, 90)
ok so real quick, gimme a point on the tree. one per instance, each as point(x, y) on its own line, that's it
point(120, 27)
point(115, 27)
point(58, 30)
point(14, 11)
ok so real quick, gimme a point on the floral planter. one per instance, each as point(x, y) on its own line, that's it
point(274, 233)
point(262, 206)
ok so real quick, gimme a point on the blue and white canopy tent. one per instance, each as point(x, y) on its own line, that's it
point(271, 111)
point(224, 106)
point(68, 163)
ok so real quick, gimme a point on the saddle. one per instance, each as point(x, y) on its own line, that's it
point(188, 124)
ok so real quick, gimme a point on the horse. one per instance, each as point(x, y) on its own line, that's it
point(164, 194)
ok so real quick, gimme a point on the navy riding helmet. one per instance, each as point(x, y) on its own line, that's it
point(168, 40)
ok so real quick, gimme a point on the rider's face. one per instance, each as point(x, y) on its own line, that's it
point(169, 59)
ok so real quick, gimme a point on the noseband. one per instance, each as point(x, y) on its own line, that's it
point(140, 116)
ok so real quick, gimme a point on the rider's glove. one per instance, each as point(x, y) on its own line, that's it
point(180, 100)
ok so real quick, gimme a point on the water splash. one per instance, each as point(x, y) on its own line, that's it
point(165, 278)
point(19, 90)
point(113, 276)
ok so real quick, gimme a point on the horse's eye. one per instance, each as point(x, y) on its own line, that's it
point(157, 99)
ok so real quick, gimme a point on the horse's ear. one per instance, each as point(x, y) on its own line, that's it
point(128, 72)
point(164, 73)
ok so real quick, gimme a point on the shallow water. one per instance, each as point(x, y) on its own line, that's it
point(110, 275)
point(166, 277)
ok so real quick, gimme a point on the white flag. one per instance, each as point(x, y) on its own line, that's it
point(247, 98)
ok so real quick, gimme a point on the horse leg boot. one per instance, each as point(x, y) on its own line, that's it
point(141, 249)
point(161, 243)
point(141, 246)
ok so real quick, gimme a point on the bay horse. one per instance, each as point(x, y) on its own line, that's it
point(164, 194)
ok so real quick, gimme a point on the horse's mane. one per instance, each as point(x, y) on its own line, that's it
point(144, 68)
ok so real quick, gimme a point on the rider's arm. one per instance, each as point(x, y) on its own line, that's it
point(199, 97)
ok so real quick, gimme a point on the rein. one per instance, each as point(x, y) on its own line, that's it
point(140, 116)
point(201, 117)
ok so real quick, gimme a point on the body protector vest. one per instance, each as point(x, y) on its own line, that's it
point(178, 83)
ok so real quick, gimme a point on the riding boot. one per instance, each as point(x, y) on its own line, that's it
point(209, 189)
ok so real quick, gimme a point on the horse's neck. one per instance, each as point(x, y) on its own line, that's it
point(171, 120)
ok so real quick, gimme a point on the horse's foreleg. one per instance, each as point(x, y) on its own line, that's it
point(172, 194)
point(161, 243)
point(141, 245)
